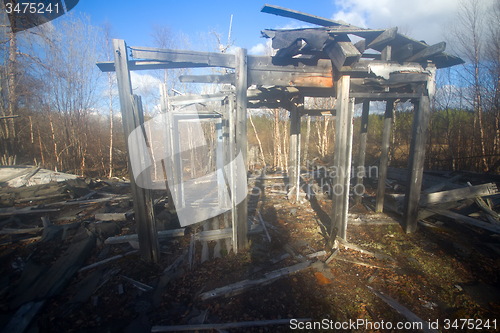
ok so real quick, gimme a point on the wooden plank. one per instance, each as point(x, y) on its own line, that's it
point(134, 237)
point(211, 59)
point(347, 168)
point(239, 287)
point(111, 217)
point(383, 96)
point(192, 99)
point(222, 327)
point(285, 12)
point(381, 40)
point(458, 194)
point(359, 188)
point(342, 54)
point(384, 155)
point(339, 160)
point(242, 85)
point(105, 261)
point(416, 164)
point(225, 78)
point(287, 40)
point(428, 52)
point(466, 219)
point(425, 326)
point(8, 231)
point(132, 117)
point(294, 168)
point(23, 317)
point(210, 235)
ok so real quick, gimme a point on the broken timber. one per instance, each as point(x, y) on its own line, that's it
point(239, 287)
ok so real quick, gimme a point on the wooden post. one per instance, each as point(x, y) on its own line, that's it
point(416, 164)
point(339, 158)
point(241, 71)
point(360, 172)
point(347, 167)
point(132, 117)
point(166, 165)
point(384, 155)
point(294, 172)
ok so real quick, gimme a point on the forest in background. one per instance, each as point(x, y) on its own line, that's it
point(60, 112)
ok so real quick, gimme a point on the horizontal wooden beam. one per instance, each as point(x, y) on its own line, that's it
point(466, 219)
point(192, 99)
point(211, 59)
point(225, 78)
point(319, 112)
point(383, 96)
point(458, 194)
point(342, 54)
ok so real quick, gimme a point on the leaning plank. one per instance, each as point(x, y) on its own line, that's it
point(239, 287)
point(58, 276)
point(428, 52)
point(285, 12)
point(24, 211)
point(404, 311)
point(177, 262)
point(134, 237)
point(382, 39)
point(105, 261)
point(342, 53)
point(23, 317)
point(466, 219)
point(139, 285)
point(458, 194)
point(223, 326)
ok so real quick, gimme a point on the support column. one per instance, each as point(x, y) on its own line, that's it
point(416, 164)
point(360, 173)
point(132, 117)
point(339, 159)
point(294, 169)
point(384, 155)
point(241, 143)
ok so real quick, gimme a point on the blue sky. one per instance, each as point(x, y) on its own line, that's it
point(133, 20)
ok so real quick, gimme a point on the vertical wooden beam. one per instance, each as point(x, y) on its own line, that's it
point(384, 155)
point(416, 164)
point(339, 158)
point(132, 117)
point(241, 72)
point(347, 167)
point(294, 169)
point(167, 143)
point(360, 172)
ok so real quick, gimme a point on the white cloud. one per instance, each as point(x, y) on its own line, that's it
point(261, 48)
point(420, 19)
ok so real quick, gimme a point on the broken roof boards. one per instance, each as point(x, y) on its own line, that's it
point(320, 62)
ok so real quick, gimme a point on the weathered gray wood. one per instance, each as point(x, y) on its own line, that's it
point(9, 231)
point(204, 244)
point(223, 326)
point(23, 317)
point(384, 155)
point(105, 261)
point(342, 54)
point(294, 167)
point(210, 235)
point(383, 96)
point(288, 38)
point(402, 53)
point(132, 117)
point(466, 219)
point(139, 285)
point(285, 12)
point(428, 52)
point(416, 164)
point(226, 78)
point(111, 217)
point(177, 262)
point(340, 159)
point(239, 287)
point(359, 188)
point(241, 71)
point(347, 168)
point(211, 59)
point(458, 194)
point(192, 99)
point(404, 311)
point(134, 237)
point(381, 40)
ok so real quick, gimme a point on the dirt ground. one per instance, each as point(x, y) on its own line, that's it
point(445, 272)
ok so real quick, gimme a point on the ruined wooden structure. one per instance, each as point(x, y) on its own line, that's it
point(382, 65)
